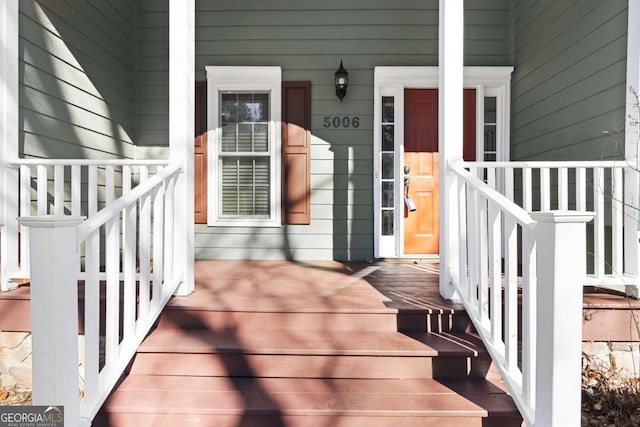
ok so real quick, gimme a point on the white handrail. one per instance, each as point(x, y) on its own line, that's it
point(494, 197)
point(89, 162)
point(63, 186)
point(497, 239)
point(101, 218)
point(124, 232)
point(609, 188)
point(551, 164)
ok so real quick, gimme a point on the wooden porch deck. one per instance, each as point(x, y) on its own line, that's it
point(283, 343)
point(404, 285)
point(344, 286)
point(607, 314)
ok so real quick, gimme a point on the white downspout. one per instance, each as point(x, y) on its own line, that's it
point(9, 139)
point(451, 83)
point(182, 131)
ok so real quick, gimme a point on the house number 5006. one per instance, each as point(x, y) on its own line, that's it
point(345, 122)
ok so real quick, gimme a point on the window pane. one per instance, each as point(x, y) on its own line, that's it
point(490, 109)
point(262, 101)
point(245, 201)
point(229, 108)
point(245, 138)
point(245, 185)
point(261, 137)
point(387, 138)
point(253, 108)
point(387, 109)
point(387, 195)
point(229, 138)
point(262, 201)
point(387, 223)
point(387, 165)
point(490, 138)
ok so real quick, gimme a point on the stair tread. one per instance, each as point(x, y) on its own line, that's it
point(342, 301)
point(300, 342)
point(206, 395)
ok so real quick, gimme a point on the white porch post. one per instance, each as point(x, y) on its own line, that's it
point(561, 270)
point(181, 132)
point(54, 312)
point(632, 150)
point(8, 141)
point(451, 53)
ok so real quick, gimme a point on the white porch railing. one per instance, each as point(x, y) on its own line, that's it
point(64, 187)
point(607, 188)
point(520, 278)
point(124, 250)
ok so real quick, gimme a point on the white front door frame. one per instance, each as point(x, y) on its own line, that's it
point(391, 82)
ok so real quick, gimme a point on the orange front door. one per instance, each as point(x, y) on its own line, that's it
point(421, 226)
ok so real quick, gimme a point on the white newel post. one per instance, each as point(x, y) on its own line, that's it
point(451, 68)
point(561, 271)
point(54, 312)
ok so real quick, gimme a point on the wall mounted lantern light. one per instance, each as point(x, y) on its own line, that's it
point(342, 81)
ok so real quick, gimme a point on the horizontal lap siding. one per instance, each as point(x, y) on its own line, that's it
point(569, 80)
point(152, 75)
point(77, 95)
point(308, 40)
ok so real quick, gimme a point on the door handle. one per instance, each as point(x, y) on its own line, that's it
point(411, 206)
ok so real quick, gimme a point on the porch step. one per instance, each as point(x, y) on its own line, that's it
point(222, 402)
point(303, 347)
point(384, 319)
point(331, 354)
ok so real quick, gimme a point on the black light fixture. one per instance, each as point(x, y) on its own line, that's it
point(342, 81)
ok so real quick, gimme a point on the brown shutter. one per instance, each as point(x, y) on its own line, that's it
point(296, 152)
point(200, 153)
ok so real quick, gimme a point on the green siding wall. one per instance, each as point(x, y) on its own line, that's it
point(152, 73)
point(77, 78)
point(569, 81)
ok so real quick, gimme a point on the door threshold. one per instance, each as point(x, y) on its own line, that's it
point(412, 258)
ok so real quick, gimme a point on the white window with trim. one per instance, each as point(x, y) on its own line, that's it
point(244, 146)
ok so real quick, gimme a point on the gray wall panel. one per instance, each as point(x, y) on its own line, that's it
point(77, 95)
point(569, 82)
